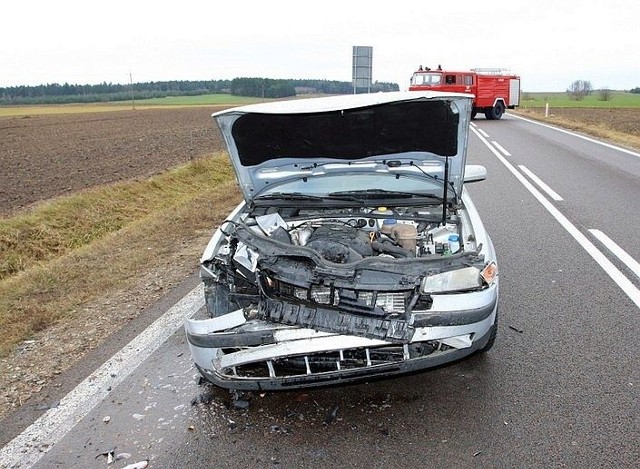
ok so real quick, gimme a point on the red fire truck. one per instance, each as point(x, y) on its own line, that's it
point(495, 89)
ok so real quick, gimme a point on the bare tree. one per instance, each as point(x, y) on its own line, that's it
point(579, 89)
point(605, 94)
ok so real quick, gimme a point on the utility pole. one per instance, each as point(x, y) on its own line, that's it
point(133, 102)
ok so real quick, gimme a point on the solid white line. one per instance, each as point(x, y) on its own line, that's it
point(592, 140)
point(484, 134)
point(28, 447)
point(610, 269)
point(501, 148)
point(620, 253)
point(473, 124)
point(553, 194)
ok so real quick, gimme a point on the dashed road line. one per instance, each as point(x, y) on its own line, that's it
point(609, 268)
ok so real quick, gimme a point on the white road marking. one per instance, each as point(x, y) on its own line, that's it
point(592, 140)
point(501, 148)
point(617, 251)
point(473, 124)
point(33, 443)
point(484, 134)
point(553, 194)
point(610, 269)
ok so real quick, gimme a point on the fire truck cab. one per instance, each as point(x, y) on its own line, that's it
point(495, 89)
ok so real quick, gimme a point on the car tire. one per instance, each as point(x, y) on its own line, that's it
point(474, 113)
point(495, 112)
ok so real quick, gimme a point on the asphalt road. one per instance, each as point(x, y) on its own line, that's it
point(559, 389)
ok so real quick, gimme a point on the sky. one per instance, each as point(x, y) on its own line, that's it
point(548, 43)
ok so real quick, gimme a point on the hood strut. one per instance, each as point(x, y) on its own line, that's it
point(444, 192)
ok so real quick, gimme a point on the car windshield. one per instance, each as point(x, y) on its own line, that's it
point(426, 78)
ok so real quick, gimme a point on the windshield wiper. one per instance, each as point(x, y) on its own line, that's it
point(301, 197)
point(382, 193)
point(288, 196)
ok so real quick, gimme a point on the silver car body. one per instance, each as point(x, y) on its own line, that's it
point(357, 252)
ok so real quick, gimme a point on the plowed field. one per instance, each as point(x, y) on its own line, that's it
point(48, 155)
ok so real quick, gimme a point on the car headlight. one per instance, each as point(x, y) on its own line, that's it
point(467, 278)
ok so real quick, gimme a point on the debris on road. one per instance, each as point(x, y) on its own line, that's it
point(121, 456)
point(107, 454)
point(240, 402)
point(331, 416)
point(519, 331)
point(139, 465)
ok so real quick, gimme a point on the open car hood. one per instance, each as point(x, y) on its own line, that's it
point(395, 135)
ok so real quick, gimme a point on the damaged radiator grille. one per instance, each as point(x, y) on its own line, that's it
point(335, 361)
point(390, 302)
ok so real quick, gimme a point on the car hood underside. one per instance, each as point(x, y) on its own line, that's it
point(272, 145)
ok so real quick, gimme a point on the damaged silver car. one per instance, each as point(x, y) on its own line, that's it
point(357, 252)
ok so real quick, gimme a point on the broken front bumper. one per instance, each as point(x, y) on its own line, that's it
point(236, 353)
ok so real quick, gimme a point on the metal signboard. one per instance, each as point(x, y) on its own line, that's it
point(362, 65)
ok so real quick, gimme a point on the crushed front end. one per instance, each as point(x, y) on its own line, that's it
point(356, 254)
point(311, 297)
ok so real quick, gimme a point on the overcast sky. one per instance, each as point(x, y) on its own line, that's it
point(550, 43)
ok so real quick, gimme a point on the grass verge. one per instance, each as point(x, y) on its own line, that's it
point(118, 234)
point(58, 226)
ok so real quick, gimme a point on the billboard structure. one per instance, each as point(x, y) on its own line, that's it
point(362, 65)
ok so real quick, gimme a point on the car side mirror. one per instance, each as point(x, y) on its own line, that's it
point(474, 173)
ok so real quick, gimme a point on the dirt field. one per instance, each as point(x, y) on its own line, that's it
point(620, 120)
point(618, 126)
point(46, 156)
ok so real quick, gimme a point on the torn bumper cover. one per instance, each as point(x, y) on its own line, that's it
point(253, 354)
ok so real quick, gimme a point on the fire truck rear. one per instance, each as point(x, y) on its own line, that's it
point(495, 89)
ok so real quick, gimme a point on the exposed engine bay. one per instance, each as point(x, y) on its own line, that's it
point(349, 235)
point(301, 266)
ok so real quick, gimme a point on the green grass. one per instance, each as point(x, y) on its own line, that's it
point(176, 101)
point(200, 100)
point(619, 99)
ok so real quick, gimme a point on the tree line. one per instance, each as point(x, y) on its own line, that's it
point(581, 88)
point(55, 93)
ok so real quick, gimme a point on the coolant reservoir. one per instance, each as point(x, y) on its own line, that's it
point(404, 234)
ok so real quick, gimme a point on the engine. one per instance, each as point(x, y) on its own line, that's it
point(345, 239)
